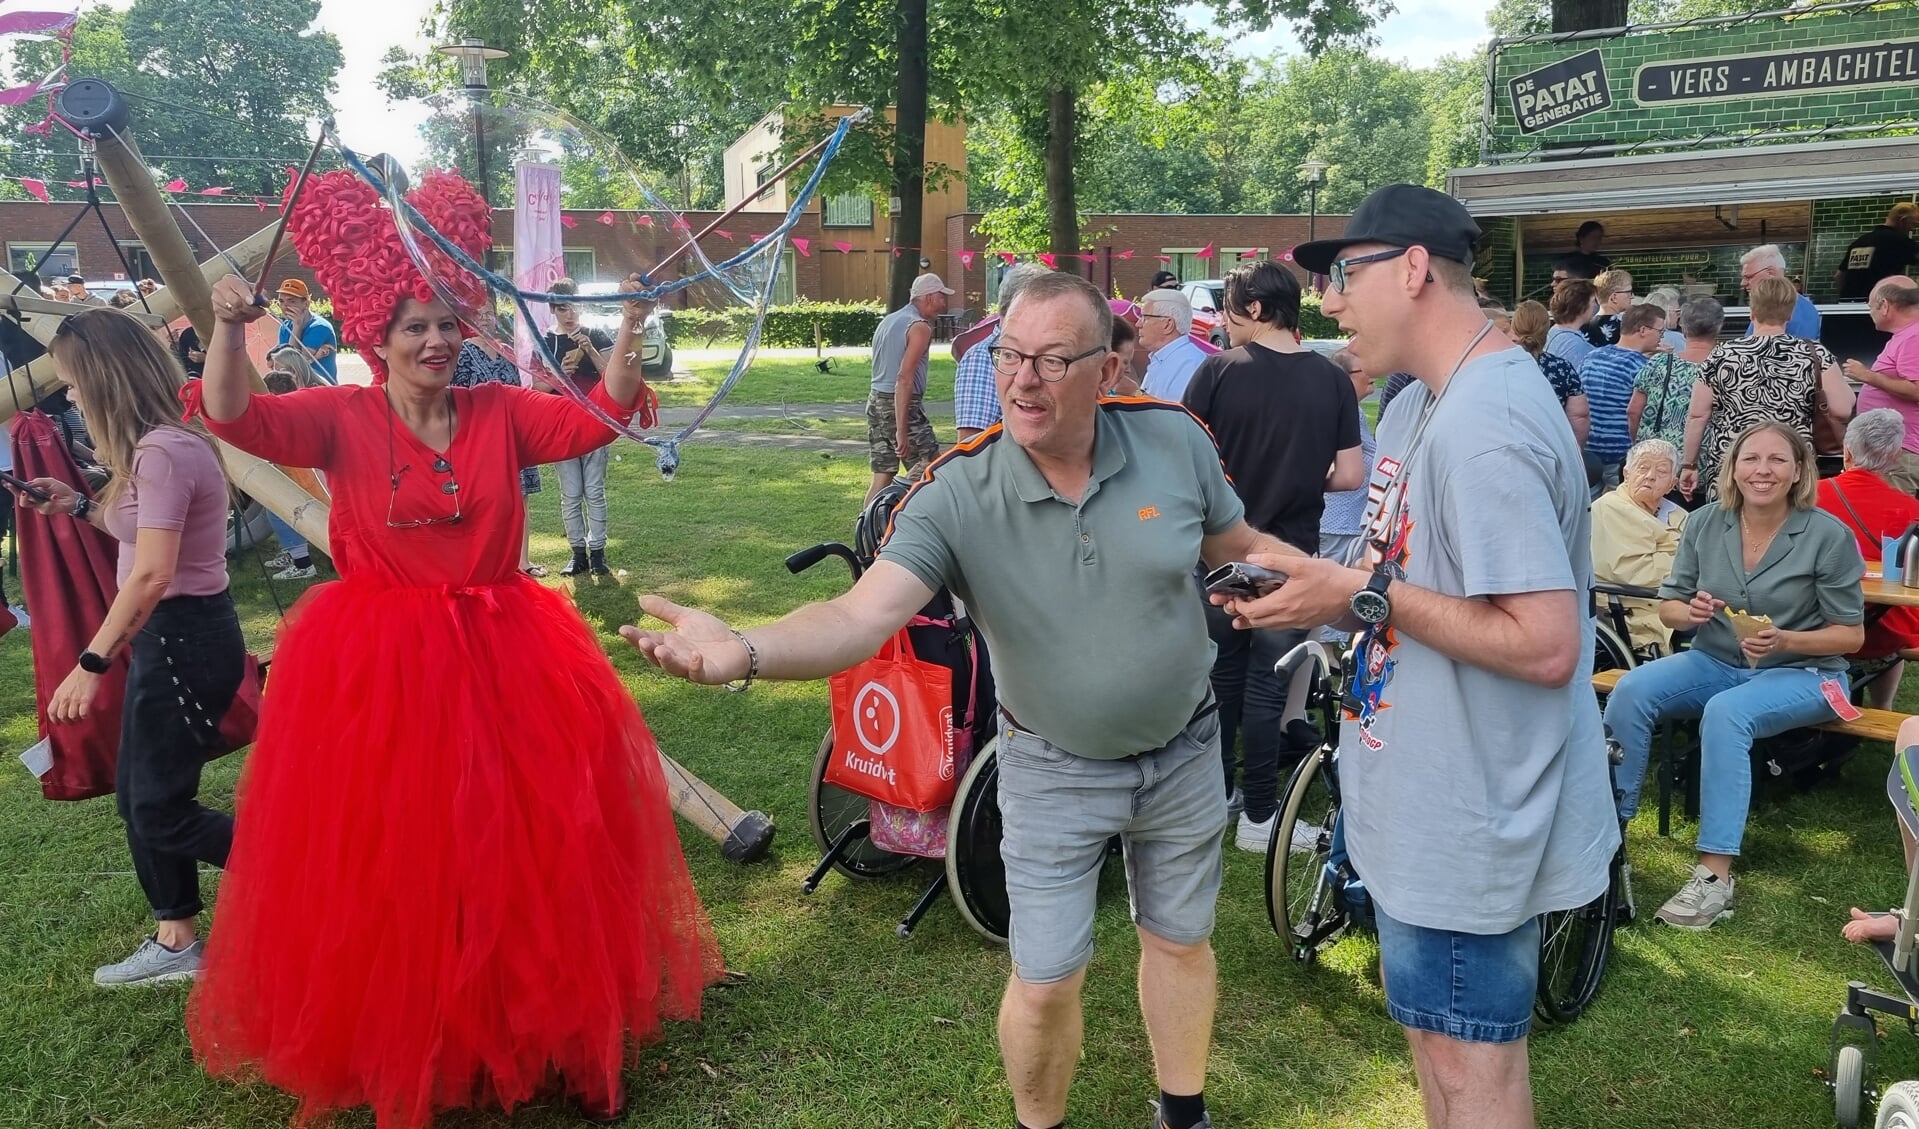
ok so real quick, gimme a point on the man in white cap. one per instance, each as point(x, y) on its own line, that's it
point(1166, 333)
point(896, 423)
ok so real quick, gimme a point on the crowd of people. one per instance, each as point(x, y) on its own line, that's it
point(1103, 453)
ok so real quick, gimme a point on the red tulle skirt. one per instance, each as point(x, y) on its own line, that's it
point(455, 879)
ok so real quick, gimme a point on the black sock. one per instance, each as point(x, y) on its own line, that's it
point(302, 560)
point(1181, 1111)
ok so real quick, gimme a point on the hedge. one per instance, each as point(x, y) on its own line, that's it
point(787, 327)
point(1314, 324)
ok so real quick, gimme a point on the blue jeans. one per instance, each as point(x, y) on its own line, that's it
point(1735, 705)
point(289, 538)
point(583, 498)
point(1477, 988)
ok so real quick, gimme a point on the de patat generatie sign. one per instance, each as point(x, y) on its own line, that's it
point(1855, 66)
point(1560, 92)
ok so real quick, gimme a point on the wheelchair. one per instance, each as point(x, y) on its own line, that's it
point(1313, 895)
point(1855, 1036)
point(972, 874)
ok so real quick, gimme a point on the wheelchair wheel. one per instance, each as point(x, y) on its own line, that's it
point(831, 810)
point(1849, 1086)
point(1574, 946)
point(1610, 652)
point(1301, 901)
point(1899, 1107)
point(975, 876)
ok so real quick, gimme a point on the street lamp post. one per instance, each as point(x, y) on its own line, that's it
point(1314, 172)
point(679, 131)
point(474, 55)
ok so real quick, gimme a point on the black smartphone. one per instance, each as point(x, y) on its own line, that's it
point(1247, 581)
point(25, 487)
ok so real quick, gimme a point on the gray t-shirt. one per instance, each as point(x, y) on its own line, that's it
point(889, 349)
point(1070, 595)
point(1474, 801)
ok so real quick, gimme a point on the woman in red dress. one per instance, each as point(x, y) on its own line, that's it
point(455, 878)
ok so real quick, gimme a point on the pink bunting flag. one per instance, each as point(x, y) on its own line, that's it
point(1287, 254)
point(842, 246)
point(644, 221)
point(1206, 252)
point(1088, 258)
point(755, 238)
point(175, 185)
point(260, 202)
point(1126, 254)
point(82, 183)
point(36, 189)
point(39, 17)
point(606, 218)
point(1051, 261)
point(1008, 257)
point(722, 233)
point(1249, 253)
point(966, 260)
point(218, 190)
point(680, 224)
point(569, 222)
point(802, 244)
point(896, 252)
point(1164, 258)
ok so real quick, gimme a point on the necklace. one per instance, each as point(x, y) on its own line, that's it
point(1757, 546)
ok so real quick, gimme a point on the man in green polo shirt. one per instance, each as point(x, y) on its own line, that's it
point(1070, 530)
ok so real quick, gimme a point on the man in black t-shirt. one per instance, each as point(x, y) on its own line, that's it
point(1287, 423)
point(1884, 251)
point(582, 354)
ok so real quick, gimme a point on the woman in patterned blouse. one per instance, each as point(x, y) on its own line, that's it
point(1530, 324)
point(1751, 380)
point(1662, 392)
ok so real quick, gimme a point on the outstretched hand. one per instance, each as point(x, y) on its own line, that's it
point(699, 647)
point(635, 310)
point(233, 302)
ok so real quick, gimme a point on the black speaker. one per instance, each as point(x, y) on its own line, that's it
point(93, 106)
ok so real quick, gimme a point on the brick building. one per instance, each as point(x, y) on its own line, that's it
point(27, 226)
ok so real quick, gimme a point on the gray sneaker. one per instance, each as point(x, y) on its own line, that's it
point(280, 560)
point(1703, 900)
point(295, 572)
point(1203, 1123)
point(152, 963)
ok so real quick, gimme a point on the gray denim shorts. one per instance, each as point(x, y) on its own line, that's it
point(1059, 810)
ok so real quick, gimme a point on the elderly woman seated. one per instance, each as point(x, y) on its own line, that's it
point(1871, 509)
point(1636, 534)
point(1772, 585)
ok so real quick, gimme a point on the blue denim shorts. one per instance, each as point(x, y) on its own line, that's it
point(1477, 988)
point(1060, 809)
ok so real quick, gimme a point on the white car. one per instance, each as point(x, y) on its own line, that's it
point(1208, 296)
point(656, 356)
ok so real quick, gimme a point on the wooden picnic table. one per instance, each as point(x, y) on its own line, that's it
point(1889, 593)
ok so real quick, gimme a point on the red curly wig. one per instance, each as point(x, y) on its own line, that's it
point(346, 235)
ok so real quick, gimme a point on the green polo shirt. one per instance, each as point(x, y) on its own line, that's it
point(1808, 579)
point(1097, 635)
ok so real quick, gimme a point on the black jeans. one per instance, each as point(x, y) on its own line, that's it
point(187, 665)
point(1251, 702)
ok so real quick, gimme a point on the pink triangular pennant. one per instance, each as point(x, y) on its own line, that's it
point(1250, 253)
point(755, 238)
point(680, 224)
point(801, 245)
point(606, 218)
point(175, 185)
point(896, 252)
point(36, 189)
point(1164, 258)
point(1205, 252)
point(842, 246)
point(76, 184)
point(1287, 254)
point(722, 233)
point(644, 221)
point(219, 190)
point(1008, 257)
point(569, 222)
point(1051, 260)
point(966, 260)
point(1127, 254)
point(260, 203)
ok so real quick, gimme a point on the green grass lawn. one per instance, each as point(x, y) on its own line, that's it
point(839, 1023)
point(777, 381)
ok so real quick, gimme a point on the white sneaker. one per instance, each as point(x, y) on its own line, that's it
point(1703, 900)
point(1255, 837)
point(1305, 839)
point(20, 617)
point(152, 963)
point(295, 572)
point(282, 559)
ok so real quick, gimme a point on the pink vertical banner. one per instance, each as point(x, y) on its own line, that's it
point(538, 259)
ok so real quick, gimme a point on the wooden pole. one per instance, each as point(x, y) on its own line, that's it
point(743, 836)
point(146, 212)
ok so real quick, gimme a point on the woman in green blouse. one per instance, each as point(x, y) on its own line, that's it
point(1763, 551)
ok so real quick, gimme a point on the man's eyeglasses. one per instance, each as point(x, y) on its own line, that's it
point(1050, 366)
point(1340, 268)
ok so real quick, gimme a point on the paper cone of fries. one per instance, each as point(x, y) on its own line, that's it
point(1746, 625)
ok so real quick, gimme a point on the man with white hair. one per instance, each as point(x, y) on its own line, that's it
point(1893, 380)
point(1166, 333)
point(1765, 261)
point(897, 430)
point(975, 399)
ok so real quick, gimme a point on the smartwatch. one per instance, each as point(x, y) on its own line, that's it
point(82, 506)
point(94, 664)
point(1370, 605)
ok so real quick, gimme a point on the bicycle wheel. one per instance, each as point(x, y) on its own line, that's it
point(831, 810)
point(975, 875)
point(1574, 946)
point(1300, 893)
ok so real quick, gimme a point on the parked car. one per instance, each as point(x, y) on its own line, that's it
point(1207, 296)
point(656, 355)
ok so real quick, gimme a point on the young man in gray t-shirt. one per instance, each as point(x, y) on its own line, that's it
point(1474, 771)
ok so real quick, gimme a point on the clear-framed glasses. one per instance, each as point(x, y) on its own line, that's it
point(451, 488)
point(1341, 268)
point(1051, 367)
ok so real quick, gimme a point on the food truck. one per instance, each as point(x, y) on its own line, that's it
point(1693, 142)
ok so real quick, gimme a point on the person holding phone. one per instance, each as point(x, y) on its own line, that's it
point(582, 354)
point(167, 506)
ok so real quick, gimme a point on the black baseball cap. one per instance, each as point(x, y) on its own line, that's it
point(1165, 278)
point(1400, 215)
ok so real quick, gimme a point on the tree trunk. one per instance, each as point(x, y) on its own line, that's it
point(1062, 142)
point(909, 152)
point(1587, 15)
